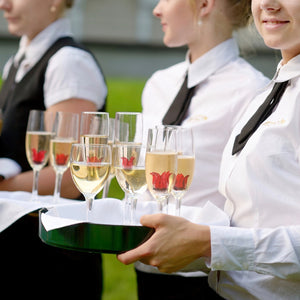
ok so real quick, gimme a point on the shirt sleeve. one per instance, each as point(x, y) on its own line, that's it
point(73, 73)
point(273, 252)
point(9, 168)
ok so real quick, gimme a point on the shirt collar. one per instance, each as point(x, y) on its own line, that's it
point(39, 45)
point(211, 61)
point(288, 71)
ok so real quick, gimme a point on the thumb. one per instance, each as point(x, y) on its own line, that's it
point(153, 221)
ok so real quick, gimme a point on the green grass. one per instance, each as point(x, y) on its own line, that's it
point(119, 280)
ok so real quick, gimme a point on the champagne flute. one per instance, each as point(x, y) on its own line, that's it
point(111, 138)
point(128, 130)
point(38, 134)
point(128, 127)
point(90, 168)
point(161, 164)
point(65, 133)
point(185, 164)
point(129, 164)
point(94, 127)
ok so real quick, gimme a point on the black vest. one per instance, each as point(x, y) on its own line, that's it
point(17, 99)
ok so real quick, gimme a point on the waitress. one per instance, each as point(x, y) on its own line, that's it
point(258, 256)
point(220, 84)
point(52, 72)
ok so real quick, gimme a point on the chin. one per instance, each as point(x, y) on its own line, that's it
point(273, 44)
point(14, 31)
point(172, 44)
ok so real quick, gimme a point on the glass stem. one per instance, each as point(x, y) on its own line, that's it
point(106, 188)
point(126, 212)
point(89, 202)
point(35, 185)
point(57, 188)
point(178, 205)
point(133, 202)
point(163, 204)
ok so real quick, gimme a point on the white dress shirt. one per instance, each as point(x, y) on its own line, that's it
point(262, 188)
point(71, 72)
point(225, 84)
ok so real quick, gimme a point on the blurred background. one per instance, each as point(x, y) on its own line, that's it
point(127, 39)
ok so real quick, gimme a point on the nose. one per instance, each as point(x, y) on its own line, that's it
point(156, 10)
point(270, 5)
point(5, 4)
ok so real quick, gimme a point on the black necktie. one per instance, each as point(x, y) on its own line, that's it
point(177, 111)
point(263, 112)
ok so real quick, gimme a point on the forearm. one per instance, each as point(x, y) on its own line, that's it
point(23, 182)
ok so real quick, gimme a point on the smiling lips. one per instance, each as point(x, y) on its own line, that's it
point(275, 22)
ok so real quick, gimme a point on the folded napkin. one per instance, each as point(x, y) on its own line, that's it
point(105, 211)
point(14, 205)
point(110, 211)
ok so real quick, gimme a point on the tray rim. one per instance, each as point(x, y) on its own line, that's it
point(43, 233)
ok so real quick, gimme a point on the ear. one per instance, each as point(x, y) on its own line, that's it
point(204, 7)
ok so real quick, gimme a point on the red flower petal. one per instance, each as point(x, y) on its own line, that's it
point(160, 182)
point(127, 164)
point(94, 159)
point(38, 157)
point(181, 182)
point(61, 159)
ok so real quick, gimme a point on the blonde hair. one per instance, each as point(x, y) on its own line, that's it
point(238, 12)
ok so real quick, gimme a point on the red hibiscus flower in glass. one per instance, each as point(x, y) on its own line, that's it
point(94, 159)
point(185, 165)
point(181, 182)
point(129, 166)
point(161, 182)
point(127, 163)
point(161, 164)
point(65, 133)
point(61, 159)
point(38, 156)
point(38, 136)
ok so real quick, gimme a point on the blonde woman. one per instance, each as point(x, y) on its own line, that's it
point(222, 85)
point(50, 71)
point(258, 257)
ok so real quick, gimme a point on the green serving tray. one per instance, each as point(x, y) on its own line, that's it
point(89, 237)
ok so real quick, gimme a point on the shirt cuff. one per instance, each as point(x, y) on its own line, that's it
point(231, 248)
point(9, 168)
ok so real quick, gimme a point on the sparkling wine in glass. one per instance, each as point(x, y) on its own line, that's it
point(111, 138)
point(65, 133)
point(37, 144)
point(128, 131)
point(94, 127)
point(161, 164)
point(129, 163)
point(185, 164)
point(90, 168)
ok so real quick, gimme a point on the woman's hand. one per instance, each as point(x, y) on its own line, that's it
point(175, 243)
